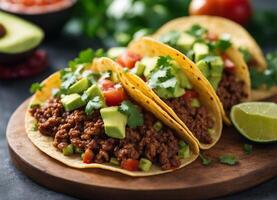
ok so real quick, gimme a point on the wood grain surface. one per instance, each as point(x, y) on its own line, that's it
point(192, 182)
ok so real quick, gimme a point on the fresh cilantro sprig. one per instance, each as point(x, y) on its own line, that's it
point(248, 148)
point(197, 30)
point(94, 104)
point(205, 160)
point(133, 113)
point(85, 56)
point(268, 77)
point(228, 159)
point(36, 87)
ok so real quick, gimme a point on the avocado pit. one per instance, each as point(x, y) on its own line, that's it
point(3, 30)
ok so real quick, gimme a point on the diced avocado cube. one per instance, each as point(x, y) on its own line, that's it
point(185, 41)
point(94, 91)
point(150, 64)
point(79, 86)
point(138, 69)
point(204, 68)
point(114, 52)
point(216, 66)
point(114, 161)
point(114, 122)
point(184, 152)
point(195, 103)
point(184, 81)
point(72, 101)
point(68, 150)
point(178, 91)
point(211, 131)
point(201, 50)
point(145, 164)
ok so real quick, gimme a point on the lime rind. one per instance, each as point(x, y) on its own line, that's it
point(256, 121)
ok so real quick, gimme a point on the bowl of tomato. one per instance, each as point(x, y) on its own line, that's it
point(50, 15)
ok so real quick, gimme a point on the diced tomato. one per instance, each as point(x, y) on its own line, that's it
point(228, 64)
point(128, 59)
point(114, 96)
point(212, 36)
point(190, 94)
point(106, 84)
point(130, 164)
point(88, 156)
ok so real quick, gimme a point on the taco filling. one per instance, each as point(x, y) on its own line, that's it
point(92, 116)
point(165, 77)
point(208, 51)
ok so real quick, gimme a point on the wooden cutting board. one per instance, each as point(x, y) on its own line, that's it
point(192, 182)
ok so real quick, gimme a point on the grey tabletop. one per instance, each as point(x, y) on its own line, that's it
point(14, 185)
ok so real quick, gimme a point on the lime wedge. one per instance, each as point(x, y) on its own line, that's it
point(257, 121)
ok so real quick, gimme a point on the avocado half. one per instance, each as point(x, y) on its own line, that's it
point(20, 40)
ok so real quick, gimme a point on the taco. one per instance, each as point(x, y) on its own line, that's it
point(215, 28)
point(214, 54)
point(172, 81)
point(90, 116)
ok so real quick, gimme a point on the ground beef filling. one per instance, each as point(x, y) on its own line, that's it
point(88, 132)
point(230, 91)
point(198, 120)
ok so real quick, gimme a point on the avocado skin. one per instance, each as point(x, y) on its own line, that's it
point(10, 59)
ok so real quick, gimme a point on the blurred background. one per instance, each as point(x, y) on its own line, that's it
point(73, 25)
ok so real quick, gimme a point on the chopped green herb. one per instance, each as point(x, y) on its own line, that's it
point(223, 43)
point(85, 56)
point(36, 87)
point(182, 144)
point(228, 159)
point(158, 126)
point(268, 77)
point(197, 30)
point(114, 161)
point(78, 150)
point(170, 38)
point(205, 160)
point(94, 104)
point(246, 54)
point(248, 148)
point(56, 92)
point(135, 117)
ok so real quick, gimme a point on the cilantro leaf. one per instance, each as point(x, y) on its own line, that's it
point(197, 30)
point(133, 113)
point(164, 61)
point(228, 159)
point(94, 104)
point(36, 87)
point(170, 38)
point(223, 43)
point(205, 161)
point(85, 56)
point(246, 54)
point(248, 148)
point(267, 77)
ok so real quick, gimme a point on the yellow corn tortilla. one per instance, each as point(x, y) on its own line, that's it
point(219, 25)
point(149, 47)
point(45, 143)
